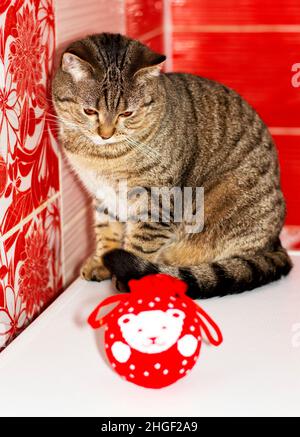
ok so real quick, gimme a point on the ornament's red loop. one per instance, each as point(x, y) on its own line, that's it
point(93, 319)
point(208, 320)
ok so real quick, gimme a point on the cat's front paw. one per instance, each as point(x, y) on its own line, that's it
point(93, 270)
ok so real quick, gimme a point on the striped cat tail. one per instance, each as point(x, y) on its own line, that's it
point(227, 276)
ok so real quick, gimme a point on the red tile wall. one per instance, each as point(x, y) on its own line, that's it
point(220, 12)
point(257, 66)
point(250, 45)
point(142, 16)
point(144, 21)
point(288, 148)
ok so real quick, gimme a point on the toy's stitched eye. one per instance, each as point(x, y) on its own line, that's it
point(89, 111)
point(125, 320)
point(140, 330)
point(126, 114)
point(175, 315)
point(164, 327)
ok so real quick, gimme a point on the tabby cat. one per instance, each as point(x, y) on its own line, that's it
point(122, 118)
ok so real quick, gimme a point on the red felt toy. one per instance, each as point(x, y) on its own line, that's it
point(153, 335)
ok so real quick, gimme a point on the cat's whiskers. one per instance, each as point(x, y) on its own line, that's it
point(134, 146)
point(69, 123)
point(142, 147)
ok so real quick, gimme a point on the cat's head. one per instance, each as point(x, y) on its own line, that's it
point(107, 87)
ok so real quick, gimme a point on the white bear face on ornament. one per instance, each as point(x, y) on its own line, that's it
point(153, 332)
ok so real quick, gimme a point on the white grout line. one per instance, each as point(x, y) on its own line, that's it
point(289, 131)
point(151, 34)
point(29, 217)
point(167, 34)
point(238, 28)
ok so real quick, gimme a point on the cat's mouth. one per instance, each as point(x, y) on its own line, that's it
point(103, 142)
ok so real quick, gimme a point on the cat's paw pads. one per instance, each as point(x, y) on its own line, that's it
point(94, 271)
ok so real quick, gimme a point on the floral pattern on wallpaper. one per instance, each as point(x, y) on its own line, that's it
point(30, 272)
point(28, 156)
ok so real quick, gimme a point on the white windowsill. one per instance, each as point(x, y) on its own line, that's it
point(56, 366)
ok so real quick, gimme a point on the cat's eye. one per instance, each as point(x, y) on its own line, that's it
point(90, 111)
point(126, 114)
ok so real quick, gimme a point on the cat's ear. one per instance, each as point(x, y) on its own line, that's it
point(147, 63)
point(75, 66)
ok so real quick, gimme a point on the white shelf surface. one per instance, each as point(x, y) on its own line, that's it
point(56, 366)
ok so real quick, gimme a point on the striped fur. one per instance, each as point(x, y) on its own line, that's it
point(182, 131)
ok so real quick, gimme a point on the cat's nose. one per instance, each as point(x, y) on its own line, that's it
point(105, 134)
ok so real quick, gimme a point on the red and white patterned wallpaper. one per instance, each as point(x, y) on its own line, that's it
point(30, 241)
point(247, 44)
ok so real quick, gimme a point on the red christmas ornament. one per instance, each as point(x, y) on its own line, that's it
point(153, 336)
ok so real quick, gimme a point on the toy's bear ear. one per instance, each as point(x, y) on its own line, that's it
point(178, 314)
point(126, 318)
